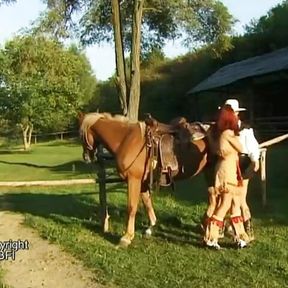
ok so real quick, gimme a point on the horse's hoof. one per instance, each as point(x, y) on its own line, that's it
point(124, 243)
point(149, 231)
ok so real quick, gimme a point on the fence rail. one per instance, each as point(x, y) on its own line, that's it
point(46, 182)
point(57, 135)
point(271, 126)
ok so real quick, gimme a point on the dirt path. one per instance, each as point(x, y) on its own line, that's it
point(43, 265)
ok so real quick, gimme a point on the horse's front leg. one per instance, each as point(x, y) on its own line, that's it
point(134, 186)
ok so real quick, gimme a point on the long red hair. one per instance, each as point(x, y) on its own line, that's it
point(226, 119)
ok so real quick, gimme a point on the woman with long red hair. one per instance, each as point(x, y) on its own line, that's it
point(225, 139)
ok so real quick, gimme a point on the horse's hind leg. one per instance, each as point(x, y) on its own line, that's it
point(147, 201)
point(134, 186)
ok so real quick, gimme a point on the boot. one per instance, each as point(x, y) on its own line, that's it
point(222, 229)
point(212, 232)
point(249, 229)
point(204, 223)
point(229, 229)
point(241, 237)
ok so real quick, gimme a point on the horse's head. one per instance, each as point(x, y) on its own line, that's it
point(188, 132)
point(89, 146)
point(89, 143)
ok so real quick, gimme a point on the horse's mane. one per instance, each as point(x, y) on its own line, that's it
point(91, 118)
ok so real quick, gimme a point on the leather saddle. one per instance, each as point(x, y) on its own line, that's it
point(167, 140)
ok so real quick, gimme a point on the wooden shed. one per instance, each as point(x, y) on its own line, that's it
point(259, 83)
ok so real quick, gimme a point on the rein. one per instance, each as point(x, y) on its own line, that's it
point(146, 133)
point(152, 155)
point(140, 151)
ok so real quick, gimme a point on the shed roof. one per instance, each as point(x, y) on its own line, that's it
point(255, 66)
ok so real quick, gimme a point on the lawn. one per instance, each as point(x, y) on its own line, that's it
point(45, 161)
point(174, 256)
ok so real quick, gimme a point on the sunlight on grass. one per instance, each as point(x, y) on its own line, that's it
point(46, 161)
point(174, 255)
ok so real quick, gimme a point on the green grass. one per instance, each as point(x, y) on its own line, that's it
point(174, 256)
point(46, 161)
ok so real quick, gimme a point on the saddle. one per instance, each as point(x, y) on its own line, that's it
point(166, 141)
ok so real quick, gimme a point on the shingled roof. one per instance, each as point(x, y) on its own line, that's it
point(251, 67)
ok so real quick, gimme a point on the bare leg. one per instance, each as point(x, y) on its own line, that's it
point(225, 204)
point(216, 221)
point(134, 186)
point(237, 220)
point(245, 210)
point(212, 201)
point(213, 196)
point(243, 201)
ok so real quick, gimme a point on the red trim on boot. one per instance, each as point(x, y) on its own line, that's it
point(219, 223)
point(237, 219)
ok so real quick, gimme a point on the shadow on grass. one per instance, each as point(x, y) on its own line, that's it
point(63, 209)
point(77, 167)
point(9, 151)
point(82, 208)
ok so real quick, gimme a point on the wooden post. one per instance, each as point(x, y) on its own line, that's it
point(104, 216)
point(263, 151)
point(263, 175)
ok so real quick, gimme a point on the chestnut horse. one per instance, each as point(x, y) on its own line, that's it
point(129, 144)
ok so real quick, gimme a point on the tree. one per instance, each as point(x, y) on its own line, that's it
point(42, 84)
point(6, 2)
point(141, 25)
point(270, 31)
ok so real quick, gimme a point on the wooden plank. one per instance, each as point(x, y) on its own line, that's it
point(263, 176)
point(101, 174)
point(46, 182)
point(56, 182)
point(273, 141)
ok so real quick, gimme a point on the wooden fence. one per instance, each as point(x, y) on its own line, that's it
point(268, 127)
point(104, 159)
point(55, 135)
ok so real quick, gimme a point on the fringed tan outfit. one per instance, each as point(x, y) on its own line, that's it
point(227, 182)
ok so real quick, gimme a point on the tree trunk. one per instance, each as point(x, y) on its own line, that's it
point(27, 134)
point(121, 81)
point(134, 95)
point(30, 134)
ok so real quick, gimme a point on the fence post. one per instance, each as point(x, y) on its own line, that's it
point(263, 175)
point(101, 173)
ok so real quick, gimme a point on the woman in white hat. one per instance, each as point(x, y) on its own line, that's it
point(227, 180)
point(249, 162)
point(251, 152)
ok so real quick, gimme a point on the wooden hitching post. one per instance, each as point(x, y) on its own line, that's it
point(104, 216)
point(263, 151)
point(263, 175)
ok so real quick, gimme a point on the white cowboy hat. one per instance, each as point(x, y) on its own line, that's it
point(234, 105)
